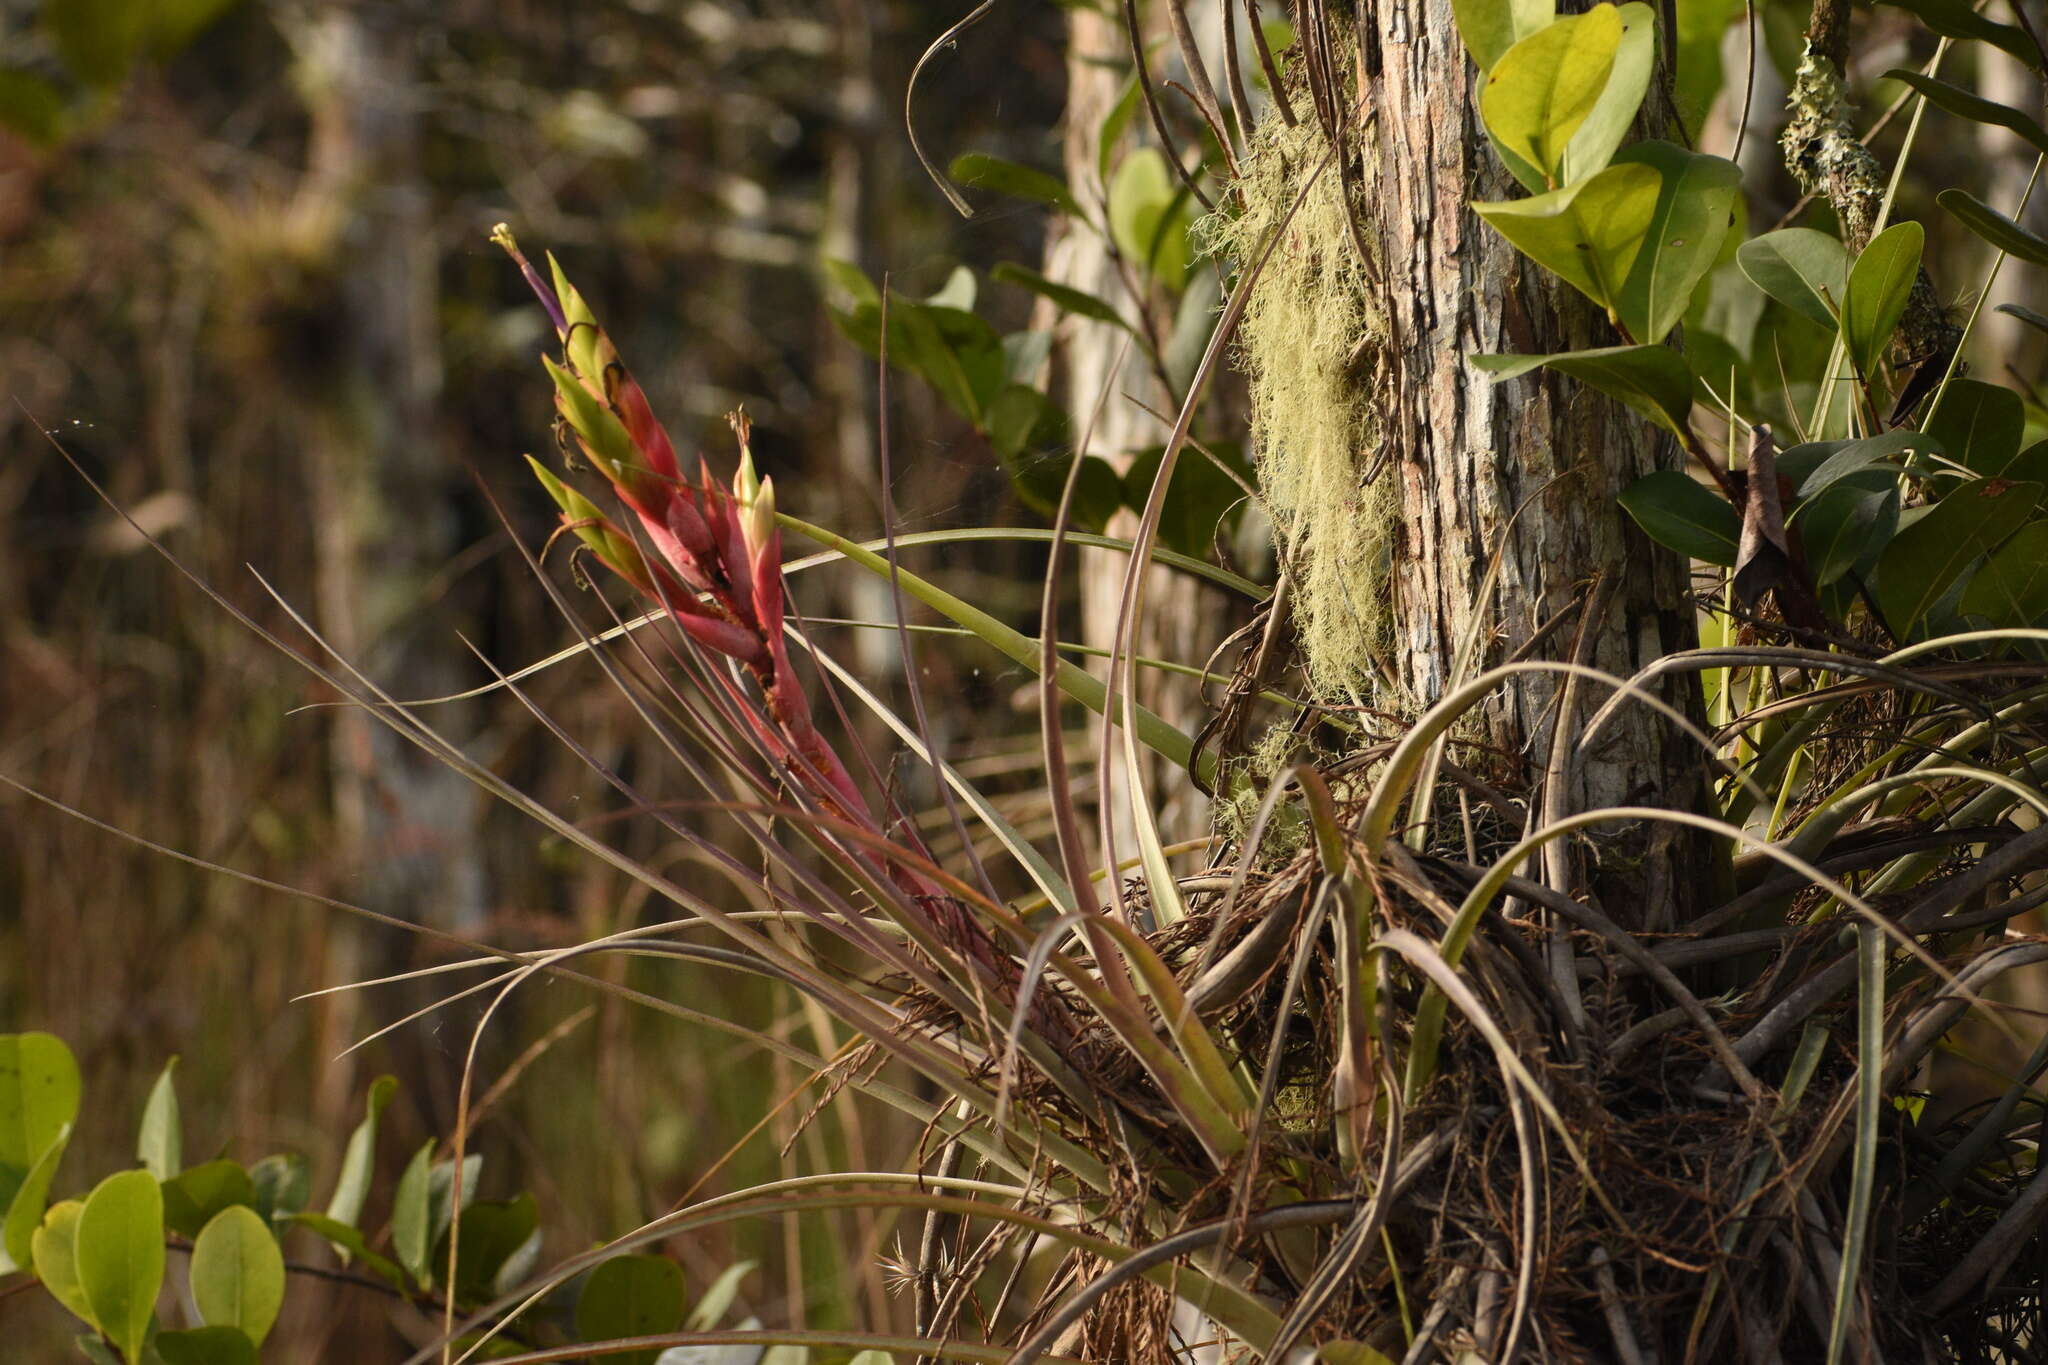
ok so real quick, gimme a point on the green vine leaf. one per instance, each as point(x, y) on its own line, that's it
point(1543, 89)
point(1588, 234)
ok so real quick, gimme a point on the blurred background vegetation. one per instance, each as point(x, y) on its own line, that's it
point(245, 278)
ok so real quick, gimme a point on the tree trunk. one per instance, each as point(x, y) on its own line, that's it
point(1465, 454)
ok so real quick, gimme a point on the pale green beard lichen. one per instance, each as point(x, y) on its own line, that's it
point(1311, 343)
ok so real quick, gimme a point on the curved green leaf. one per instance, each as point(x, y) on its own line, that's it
point(1927, 557)
point(1875, 298)
point(1842, 526)
point(1960, 102)
point(1679, 514)
point(1491, 27)
point(493, 1231)
point(120, 1250)
point(38, 1095)
point(411, 1228)
point(192, 1200)
point(348, 1242)
point(1148, 216)
point(1542, 90)
point(25, 1210)
point(1807, 271)
point(1694, 210)
point(1594, 145)
point(1994, 227)
point(1959, 19)
point(1653, 380)
point(160, 1146)
point(53, 1251)
point(2012, 587)
point(357, 1162)
point(630, 1296)
point(238, 1273)
point(1589, 234)
point(1816, 467)
point(1063, 297)
point(979, 171)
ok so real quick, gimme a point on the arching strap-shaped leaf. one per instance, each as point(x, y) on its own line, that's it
point(1543, 88)
point(1807, 271)
point(1491, 27)
point(1679, 513)
point(1994, 227)
point(1926, 558)
point(1588, 234)
point(1879, 284)
point(1959, 19)
point(2036, 320)
point(1837, 460)
point(1695, 206)
point(1955, 100)
point(1594, 145)
point(1653, 380)
point(978, 170)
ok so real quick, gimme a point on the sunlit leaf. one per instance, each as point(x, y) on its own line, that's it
point(53, 1251)
point(1536, 97)
point(38, 1095)
point(979, 171)
point(1063, 297)
point(24, 1210)
point(120, 1251)
point(238, 1273)
point(1491, 27)
point(411, 1225)
point(1148, 217)
point(1594, 144)
point(1589, 234)
point(160, 1146)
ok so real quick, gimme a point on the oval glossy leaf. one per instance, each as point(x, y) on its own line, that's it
point(1679, 514)
point(1926, 558)
point(1491, 27)
point(53, 1251)
point(978, 171)
point(198, 1194)
point(1835, 460)
point(411, 1235)
point(1879, 284)
point(25, 1210)
point(1960, 102)
point(238, 1273)
point(120, 1251)
point(1588, 234)
point(493, 1231)
point(1653, 380)
point(630, 1296)
point(1542, 89)
point(1841, 527)
point(1807, 271)
point(205, 1346)
point(1594, 145)
point(1994, 227)
point(38, 1095)
point(1959, 19)
point(360, 1158)
point(1695, 207)
point(1980, 426)
point(160, 1146)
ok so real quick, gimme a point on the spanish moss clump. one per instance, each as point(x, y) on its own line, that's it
point(1310, 344)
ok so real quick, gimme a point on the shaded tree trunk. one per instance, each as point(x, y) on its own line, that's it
point(1467, 454)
